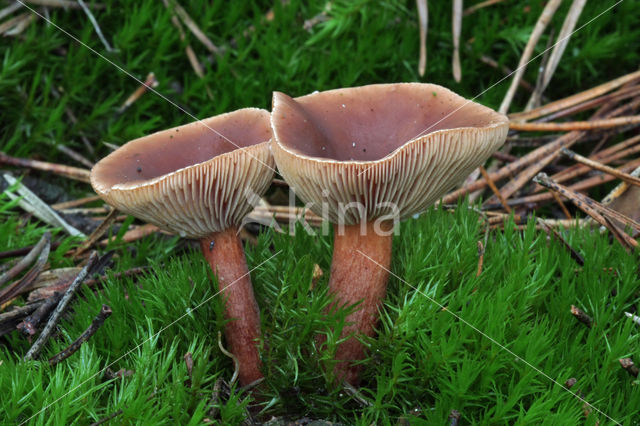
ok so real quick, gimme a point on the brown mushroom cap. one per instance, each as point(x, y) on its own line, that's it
point(385, 146)
point(191, 180)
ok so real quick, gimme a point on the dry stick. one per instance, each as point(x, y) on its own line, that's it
point(575, 125)
point(541, 70)
point(627, 364)
point(478, 6)
point(75, 203)
point(558, 200)
point(525, 176)
point(589, 206)
point(593, 204)
point(27, 260)
point(29, 325)
point(74, 155)
point(562, 41)
point(543, 21)
point(480, 258)
point(581, 316)
point(599, 166)
point(14, 289)
point(109, 417)
point(67, 171)
point(615, 152)
point(493, 187)
point(48, 291)
point(620, 189)
point(193, 27)
point(97, 233)
point(149, 82)
point(580, 186)
point(619, 95)
point(575, 99)
point(423, 20)
point(57, 313)
point(105, 312)
point(618, 235)
point(572, 252)
point(131, 235)
point(96, 27)
point(456, 28)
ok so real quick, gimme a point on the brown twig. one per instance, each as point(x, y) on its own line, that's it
point(133, 234)
point(575, 125)
point(572, 252)
point(494, 189)
point(581, 316)
point(627, 364)
point(48, 291)
point(33, 253)
point(561, 204)
point(599, 166)
point(480, 258)
point(544, 19)
point(75, 203)
point(29, 325)
point(14, 289)
point(149, 82)
point(594, 209)
point(478, 6)
point(575, 99)
point(534, 156)
point(57, 313)
point(67, 171)
point(97, 233)
point(105, 312)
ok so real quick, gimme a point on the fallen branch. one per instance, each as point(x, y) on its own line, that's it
point(26, 261)
point(601, 167)
point(64, 301)
point(14, 289)
point(544, 19)
point(105, 312)
point(70, 172)
point(575, 125)
point(574, 99)
point(29, 325)
point(581, 316)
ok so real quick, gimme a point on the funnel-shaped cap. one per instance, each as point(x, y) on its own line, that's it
point(195, 179)
point(380, 150)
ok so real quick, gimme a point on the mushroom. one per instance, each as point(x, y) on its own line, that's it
point(197, 180)
point(367, 157)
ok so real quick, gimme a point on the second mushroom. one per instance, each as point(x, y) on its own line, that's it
point(367, 157)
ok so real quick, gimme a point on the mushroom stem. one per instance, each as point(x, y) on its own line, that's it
point(356, 278)
point(225, 254)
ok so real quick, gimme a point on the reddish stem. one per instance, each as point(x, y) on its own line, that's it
point(225, 254)
point(359, 273)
